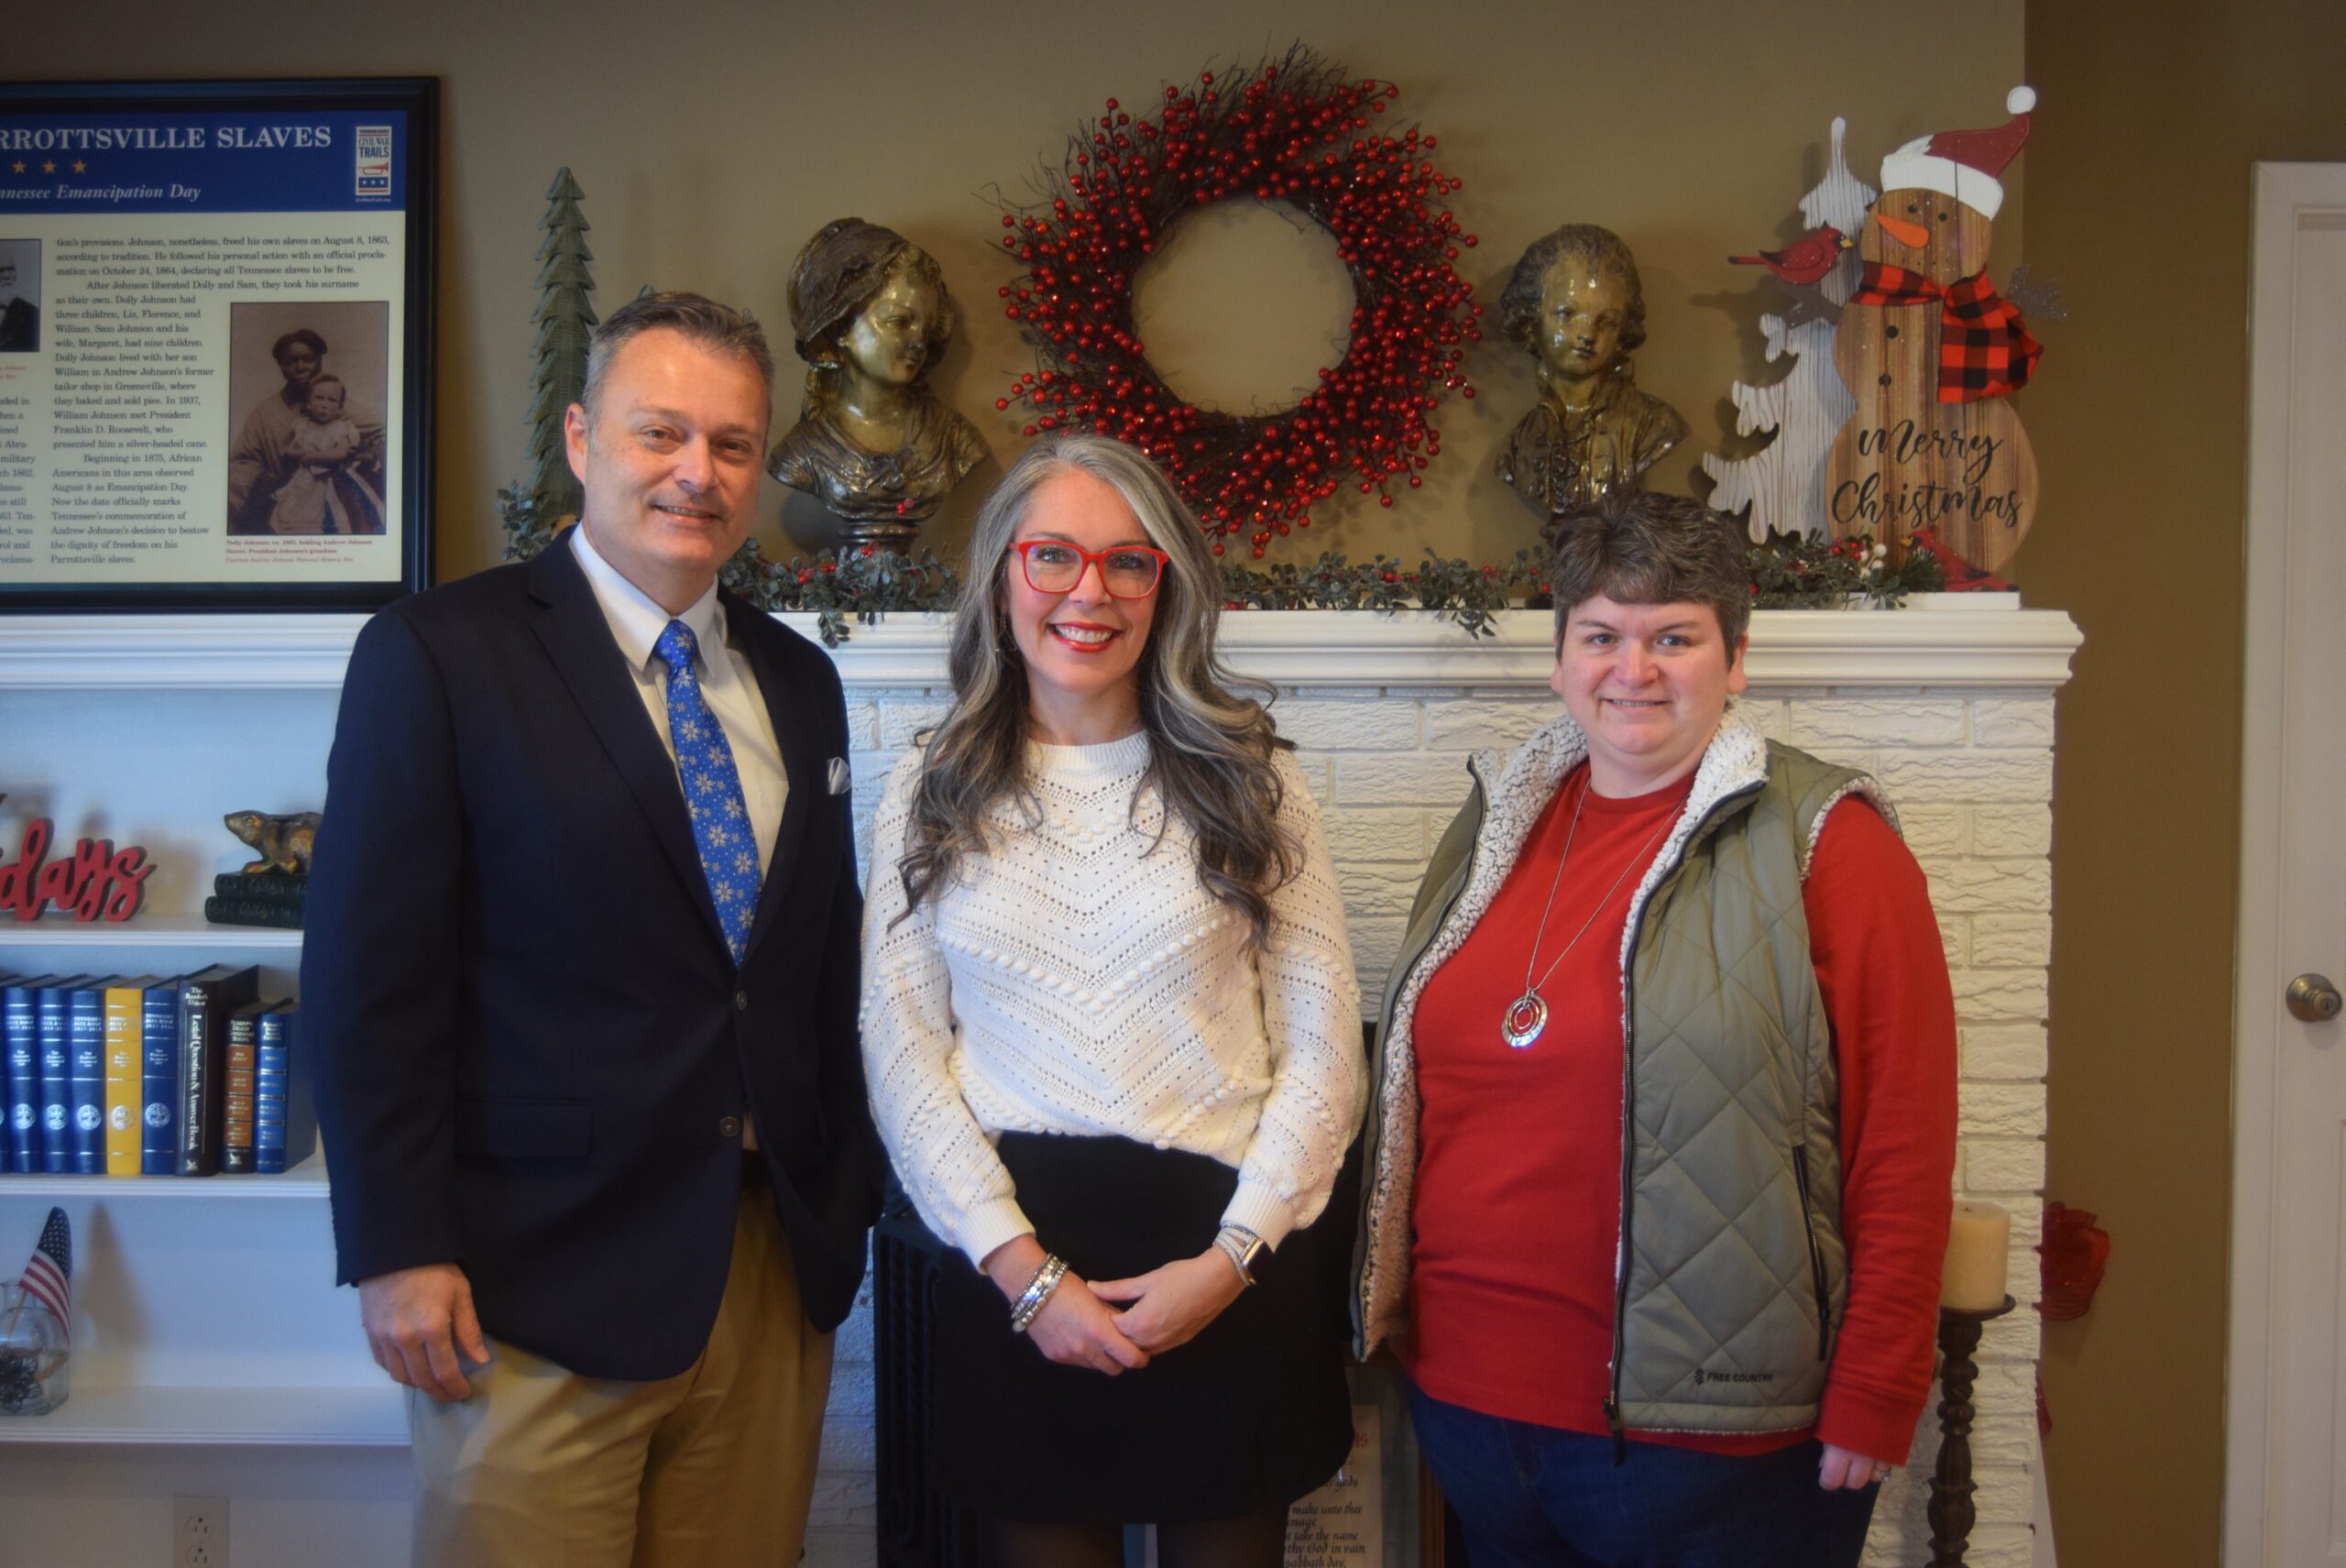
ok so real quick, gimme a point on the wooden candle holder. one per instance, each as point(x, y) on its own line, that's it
point(1951, 1513)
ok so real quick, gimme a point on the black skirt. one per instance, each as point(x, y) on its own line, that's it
point(1253, 1411)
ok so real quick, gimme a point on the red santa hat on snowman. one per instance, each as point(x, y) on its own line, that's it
point(1964, 164)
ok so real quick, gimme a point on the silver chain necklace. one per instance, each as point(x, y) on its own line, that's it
point(1527, 1016)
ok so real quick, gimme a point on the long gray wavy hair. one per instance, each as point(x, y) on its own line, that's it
point(1211, 741)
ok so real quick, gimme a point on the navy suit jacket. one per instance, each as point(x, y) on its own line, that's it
point(532, 1047)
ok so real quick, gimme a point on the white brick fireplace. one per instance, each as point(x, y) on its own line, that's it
point(1948, 702)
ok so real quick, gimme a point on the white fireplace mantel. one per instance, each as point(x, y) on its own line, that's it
point(1940, 640)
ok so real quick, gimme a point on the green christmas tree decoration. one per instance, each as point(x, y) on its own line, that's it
point(564, 319)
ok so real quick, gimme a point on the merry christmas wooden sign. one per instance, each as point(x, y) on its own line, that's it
point(1930, 354)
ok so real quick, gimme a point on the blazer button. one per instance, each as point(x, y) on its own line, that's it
point(728, 1126)
point(740, 1001)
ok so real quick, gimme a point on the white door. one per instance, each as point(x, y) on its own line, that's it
point(2285, 1489)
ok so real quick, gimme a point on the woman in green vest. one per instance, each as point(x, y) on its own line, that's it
point(1662, 1126)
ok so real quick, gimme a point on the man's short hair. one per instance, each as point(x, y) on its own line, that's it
point(1643, 547)
point(298, 334)
point(719, 328)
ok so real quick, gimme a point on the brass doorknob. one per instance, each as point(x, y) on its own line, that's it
point(2313, 999)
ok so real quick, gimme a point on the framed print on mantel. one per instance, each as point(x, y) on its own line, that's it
point(215, 344)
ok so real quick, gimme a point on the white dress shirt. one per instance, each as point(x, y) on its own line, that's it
point(727, 683)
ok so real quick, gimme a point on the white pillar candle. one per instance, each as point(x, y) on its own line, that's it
point(1979, 1245)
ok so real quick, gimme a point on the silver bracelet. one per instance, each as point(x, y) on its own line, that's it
point(1038, 1291)
point(1240, 1245)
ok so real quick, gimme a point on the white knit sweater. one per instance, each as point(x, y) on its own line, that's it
point(1072, 981)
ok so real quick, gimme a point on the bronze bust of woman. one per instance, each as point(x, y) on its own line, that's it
point(870, 316)
point(1576, 302)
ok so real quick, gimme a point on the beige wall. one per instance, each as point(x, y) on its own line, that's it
point(711, 146)
point(2139, 202)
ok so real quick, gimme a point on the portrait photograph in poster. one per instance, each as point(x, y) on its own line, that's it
point(19, 296)
point(215, 329)
point(305, 416)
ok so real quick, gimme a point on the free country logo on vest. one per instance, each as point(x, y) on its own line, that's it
point(1701, 1376)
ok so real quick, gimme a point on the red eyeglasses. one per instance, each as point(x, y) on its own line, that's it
point(1054, 567)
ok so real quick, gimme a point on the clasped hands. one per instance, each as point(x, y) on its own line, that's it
point(1078, 1326)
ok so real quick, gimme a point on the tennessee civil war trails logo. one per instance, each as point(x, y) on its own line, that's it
point(374, 156)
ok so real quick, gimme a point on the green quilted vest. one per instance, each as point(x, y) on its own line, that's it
point(1732, 1271)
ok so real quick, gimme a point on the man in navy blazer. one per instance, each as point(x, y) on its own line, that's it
point(580, 982)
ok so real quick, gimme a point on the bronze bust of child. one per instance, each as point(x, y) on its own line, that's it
point(1576, 302)
point(870, 313)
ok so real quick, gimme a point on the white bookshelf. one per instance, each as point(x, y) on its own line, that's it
point(305, 1181)
point(204, 1312)
point(210, 1416)
point(144, 933)
point(206, 1321)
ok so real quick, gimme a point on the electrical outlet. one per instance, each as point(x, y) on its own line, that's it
point(199, 1532)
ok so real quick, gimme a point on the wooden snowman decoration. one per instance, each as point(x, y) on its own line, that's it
point(1930, 354)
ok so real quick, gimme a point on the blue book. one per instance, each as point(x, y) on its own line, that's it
point(86, 1042)
point(158, 1079)
point(283, 1137)
point(50, 1006)
point(20, 1039)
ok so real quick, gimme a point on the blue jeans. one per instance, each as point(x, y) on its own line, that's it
point(1533, 1497)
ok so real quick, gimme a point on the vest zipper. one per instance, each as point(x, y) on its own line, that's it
point(1629, 1110)
point(1373, 1135)
point(1815, 1255)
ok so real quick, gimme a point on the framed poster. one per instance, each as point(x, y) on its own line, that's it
point(215, 344)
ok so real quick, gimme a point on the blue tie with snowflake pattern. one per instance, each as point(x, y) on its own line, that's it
point(729, 849)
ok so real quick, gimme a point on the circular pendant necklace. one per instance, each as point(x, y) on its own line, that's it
point(1526, 1018)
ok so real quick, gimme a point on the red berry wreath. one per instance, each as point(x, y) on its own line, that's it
point(1294, 131)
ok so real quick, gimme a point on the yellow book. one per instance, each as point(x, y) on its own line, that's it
point(124, 1015)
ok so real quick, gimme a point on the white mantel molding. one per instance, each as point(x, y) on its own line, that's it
point(1938, 641)
point(1970, 643)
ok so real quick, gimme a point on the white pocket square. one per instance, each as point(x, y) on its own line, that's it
point(840, 780)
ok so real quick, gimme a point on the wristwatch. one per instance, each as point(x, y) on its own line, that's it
point(1242, 1247)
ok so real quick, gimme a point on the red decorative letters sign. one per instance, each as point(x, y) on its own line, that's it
point(96, 883)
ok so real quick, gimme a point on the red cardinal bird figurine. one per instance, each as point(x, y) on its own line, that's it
point(1805, 260)
point(1962, 576)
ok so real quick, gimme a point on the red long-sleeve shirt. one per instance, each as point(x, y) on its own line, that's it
point(1517, 1202)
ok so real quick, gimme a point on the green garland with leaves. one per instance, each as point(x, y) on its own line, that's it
point(1452, 590)
point(1788, 572)
point(1794, 571)
point(863, 584)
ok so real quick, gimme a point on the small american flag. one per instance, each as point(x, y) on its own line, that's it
point(49, 1268)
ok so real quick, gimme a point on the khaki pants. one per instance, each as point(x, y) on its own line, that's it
point(544, 1469)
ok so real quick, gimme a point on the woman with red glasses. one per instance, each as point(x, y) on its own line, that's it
point(1112, 1037)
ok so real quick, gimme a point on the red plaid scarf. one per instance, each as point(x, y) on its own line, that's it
point(1984, 350)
